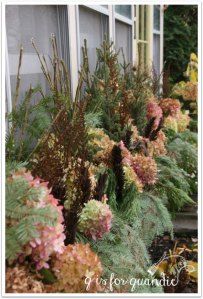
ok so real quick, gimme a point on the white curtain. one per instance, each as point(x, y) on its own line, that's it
point(93, 27)
point(156, 53)
point(124, 40)
point(24, 22)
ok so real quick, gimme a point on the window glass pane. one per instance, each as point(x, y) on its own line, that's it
point(93, 28)
point(157, 17)
point(156, 53)
point(63, 33)
point(124, 40)
point(124, 10)
point(24, 22)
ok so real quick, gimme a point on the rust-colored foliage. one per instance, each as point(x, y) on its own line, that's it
point(62, 153)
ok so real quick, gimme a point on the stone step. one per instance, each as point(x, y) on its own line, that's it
point(186, 220)
point(187, 215)
point(189, 208)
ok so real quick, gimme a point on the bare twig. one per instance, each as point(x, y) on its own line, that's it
point(18, 79)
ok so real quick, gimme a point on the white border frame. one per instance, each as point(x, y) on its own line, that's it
point(3, 96)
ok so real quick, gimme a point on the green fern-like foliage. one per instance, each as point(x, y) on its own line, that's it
point(153, 218)
point(173, 185)
point(123, 253)
point(21, 215)
point(147, 214)
point(186, 157)
point(185, 154)
point(28, 121)
point(189, 136)
point(13, 166)
point(93, 120)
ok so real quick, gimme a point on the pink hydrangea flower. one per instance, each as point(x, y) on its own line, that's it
point(51, 238)
point(154, 110)
point(95, 219)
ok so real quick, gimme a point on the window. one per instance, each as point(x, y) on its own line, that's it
point(143, 38)
point(123, 10)
point(71, 24)
point(156, 40)
point(157, 17)
point(24, 22)
point(93, 27)
point(124, 40)
point(123, 31)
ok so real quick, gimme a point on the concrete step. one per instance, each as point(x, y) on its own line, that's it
point(186, 221)
point(187, 215)
point(192, 208)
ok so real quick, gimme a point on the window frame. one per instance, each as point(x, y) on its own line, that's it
point(7, 70)
point(139, 40)
point(160, 33)
point(113, 16)
point(129, 22)
point(150, 34)
point(74, 37)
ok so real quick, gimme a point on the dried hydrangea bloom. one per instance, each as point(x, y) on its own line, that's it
point(20, 280)
point(131, 178)
point(73, 266)
point(188, 90)
point(170, 106)
point(183, 121)
point(170, 122)
point(51, 238)
point(102, 143)
point(95, 219)
point(126, 154)
point(145, 168)
point(157, 147)
point(154, 110)
point(135, 134)
point(92, 169)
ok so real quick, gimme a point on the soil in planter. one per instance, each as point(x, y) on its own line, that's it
point(163, 244)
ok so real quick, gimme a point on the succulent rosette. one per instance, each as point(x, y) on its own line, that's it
point(77, 263)
point(95, 219)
